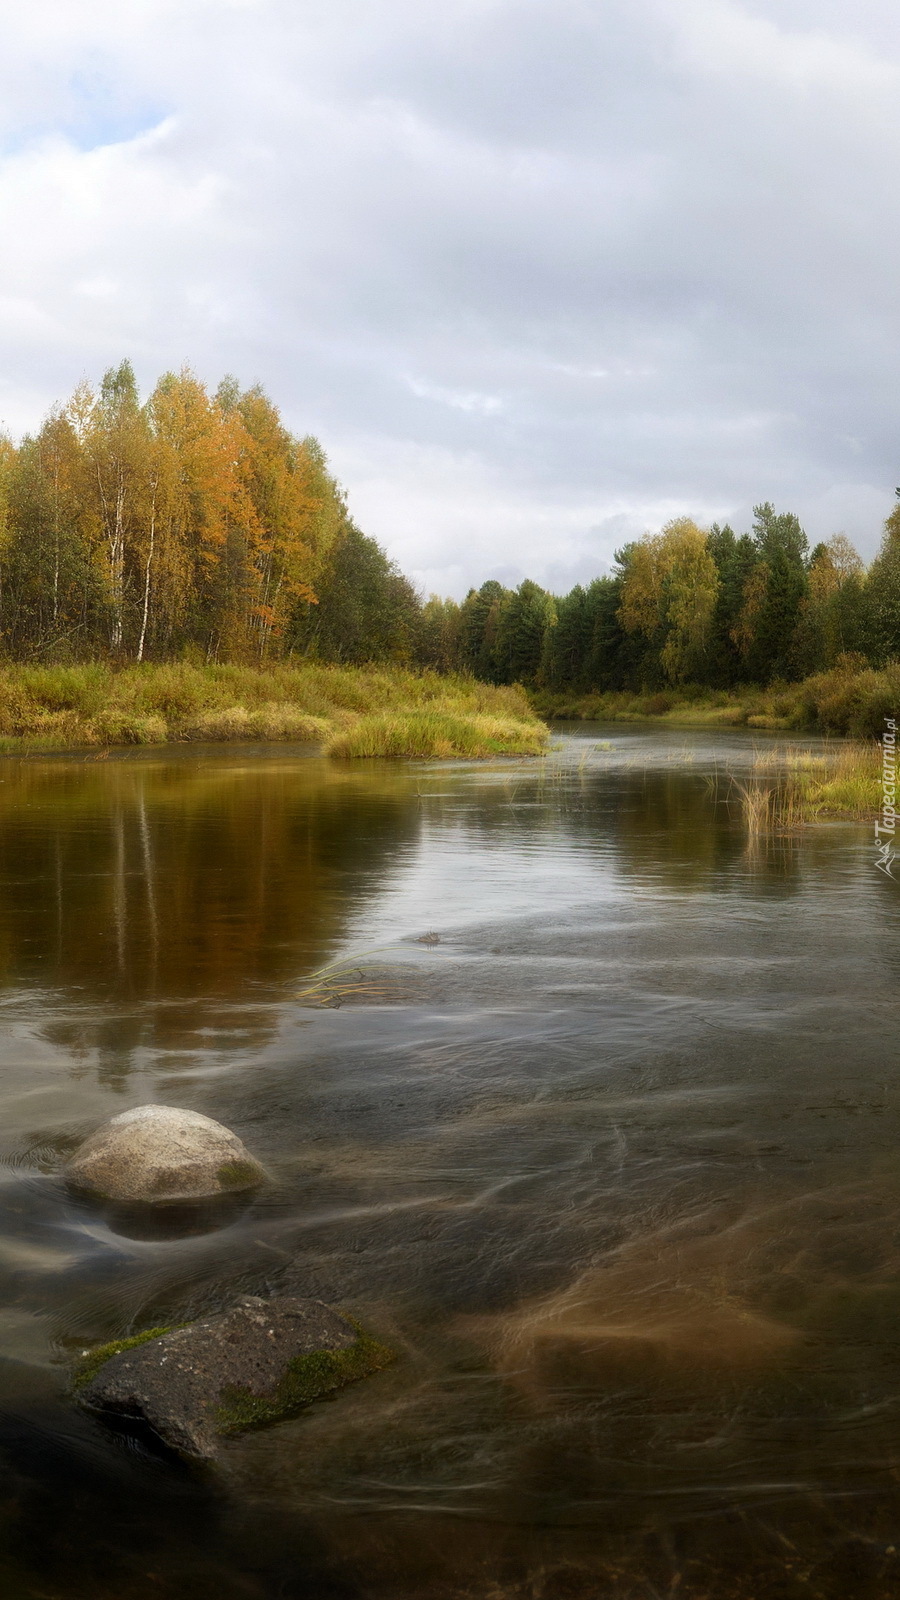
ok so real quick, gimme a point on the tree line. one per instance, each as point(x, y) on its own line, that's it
point(686, 605)
point(195, 523)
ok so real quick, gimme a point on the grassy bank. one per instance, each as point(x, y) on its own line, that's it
point(350, 711)
point(846, 701)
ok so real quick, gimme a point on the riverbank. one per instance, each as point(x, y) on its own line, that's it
point(350, 711)
point(848, 700)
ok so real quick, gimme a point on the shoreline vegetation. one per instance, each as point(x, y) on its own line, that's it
point(349, 711)
point(852, 700)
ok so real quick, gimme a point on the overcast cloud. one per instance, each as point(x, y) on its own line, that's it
point(539, 273)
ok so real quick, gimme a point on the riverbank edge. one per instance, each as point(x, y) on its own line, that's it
point(348, 711)
point(850, 699)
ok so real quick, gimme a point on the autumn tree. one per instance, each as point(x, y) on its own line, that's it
point(832, 613)
point(279, 477)
point(113, 437)
point(669, 595)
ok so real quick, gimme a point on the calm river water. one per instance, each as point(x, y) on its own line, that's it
point(596, 1119)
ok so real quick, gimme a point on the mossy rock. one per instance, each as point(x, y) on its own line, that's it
point(92, 1360)
point(199, 1383)
point(307, 1378)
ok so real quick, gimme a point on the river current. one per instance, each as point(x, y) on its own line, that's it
point(580, 1097)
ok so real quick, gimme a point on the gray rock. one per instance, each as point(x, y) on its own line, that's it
point(257, 1363)
point(160, 1154)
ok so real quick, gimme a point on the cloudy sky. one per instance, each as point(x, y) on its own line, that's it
point(539, 273)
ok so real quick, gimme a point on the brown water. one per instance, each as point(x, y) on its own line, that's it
point(614, 1164)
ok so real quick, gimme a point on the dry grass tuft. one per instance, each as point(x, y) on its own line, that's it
point(439, 734)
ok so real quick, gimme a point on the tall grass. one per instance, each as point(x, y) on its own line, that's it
point(438, 733)
point(801, 786)
point(397, 712)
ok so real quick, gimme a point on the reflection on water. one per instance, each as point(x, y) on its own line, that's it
point(614, 1164)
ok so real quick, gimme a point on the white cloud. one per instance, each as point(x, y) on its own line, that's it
point(724, 37)
point(525, 268)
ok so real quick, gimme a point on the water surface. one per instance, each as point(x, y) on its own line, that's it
point(594, 1117)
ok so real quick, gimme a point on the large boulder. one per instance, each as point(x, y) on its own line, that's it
point(161, 1154)
point(259, 1362)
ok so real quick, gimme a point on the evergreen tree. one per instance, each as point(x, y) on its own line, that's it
point(519, 648)
point(614, 657)
point(567, 645)
point(479, 621)
point(735, 558)
point(775, 590)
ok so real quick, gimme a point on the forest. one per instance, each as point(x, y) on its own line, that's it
point(195, 526)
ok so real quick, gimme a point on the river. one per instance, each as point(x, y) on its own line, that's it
point(593, 1116)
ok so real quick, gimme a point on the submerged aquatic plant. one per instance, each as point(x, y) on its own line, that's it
point(339, 981)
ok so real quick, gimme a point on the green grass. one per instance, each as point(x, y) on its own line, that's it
point(349, 710)
point(307, 1379)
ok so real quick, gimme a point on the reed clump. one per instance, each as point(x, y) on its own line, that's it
point(396, 711)
point(792, 789)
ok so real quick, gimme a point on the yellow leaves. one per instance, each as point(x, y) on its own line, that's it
point(267, 615)
point(833, 566)
point(203, 518)
point(671, 583)
point(640, 611)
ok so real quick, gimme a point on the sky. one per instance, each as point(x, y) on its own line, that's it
point(539, 274)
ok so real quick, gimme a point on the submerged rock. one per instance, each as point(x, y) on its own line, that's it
point(161, 1154)
point(260, 1362)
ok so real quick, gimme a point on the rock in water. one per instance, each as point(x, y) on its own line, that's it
point(159, 1153)
point(259, 1362)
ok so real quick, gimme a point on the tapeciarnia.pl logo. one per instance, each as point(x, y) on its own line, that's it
point(886, 825)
